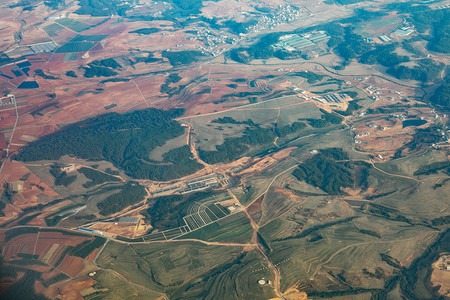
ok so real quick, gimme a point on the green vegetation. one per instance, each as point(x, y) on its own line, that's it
point(71, 74)
point(95, 71)
point(24, 287)
point(28, 85)
point(123, 139)
point(426, 70)
point(253, 135)
point(180, 58)
point(441, 96)
point(54, 218)
point(167, 212)
point(310, 230)
point(75, 47)
point(235, 228)
point(115, 80)
point(130, 194)
point(310, 76)
point(102, 8)
point(107, 63)
point(146, 31)
point(215, 272)
point(61, 177)
point(96, 177)
point(441, 221)
point(41, 73)
point(85, 248)
point(73, 24)
point(433, 168)
point(101, 68)
point(325, 120)
point(88, 38)
point(260, 50)
point(383, 55)
point(53, 29)
point(324, 171)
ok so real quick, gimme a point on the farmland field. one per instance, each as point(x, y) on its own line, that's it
point(224, 149)
point(235, 228)
point(88, 38)
point(72, 24)
point(75, 47)
point(53, 29)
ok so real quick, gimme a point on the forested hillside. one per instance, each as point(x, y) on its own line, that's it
point(123, 139)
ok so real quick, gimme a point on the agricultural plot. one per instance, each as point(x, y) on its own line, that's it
point(200, 214)
point(236, 228)
point(204, 214)
point(88, 38)
point(71, 56)
point(75, 47)
point(53, 29)
point(72, 24)
point(162, 267)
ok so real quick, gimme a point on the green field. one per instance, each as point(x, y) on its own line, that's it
point(215, 272)
point(111, 286)
point(72, 24)
point(235, 228)
point(88, 38)
point(71, 56)
point(75, 47)
point(53, 29)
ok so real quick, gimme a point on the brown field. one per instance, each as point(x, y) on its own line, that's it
point(122, 229)
point(440, 276)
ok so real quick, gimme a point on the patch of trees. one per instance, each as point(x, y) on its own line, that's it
point(343, 2)
point(311, 77)
point(96, 71)
point(102, 8)
point(437, 21)
point(352, 106)
point(71, 74)
point(433, 168)
point(239, 27)
point(96, 177)
point(24, 287)
point(323, 171)
point(146, 31)
point(426, 70)
point(441, 96)
point(41, 73)
point(115, 80)
point(54, 4)
point(61, 177)
point(370, 232)
point(422, 137)
point(378, 274)
point(310, 230)
point(230, 120)
point(130, 194)
point(325, 119)
point(179, 58)
point(123, 139)
point(260, 50)
point(254, 135)
point(167, 212)
point(101, 68)
point(85, 248)
point(383, 55)
point(107, 63)
point(441, 221)
point(177, 163)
